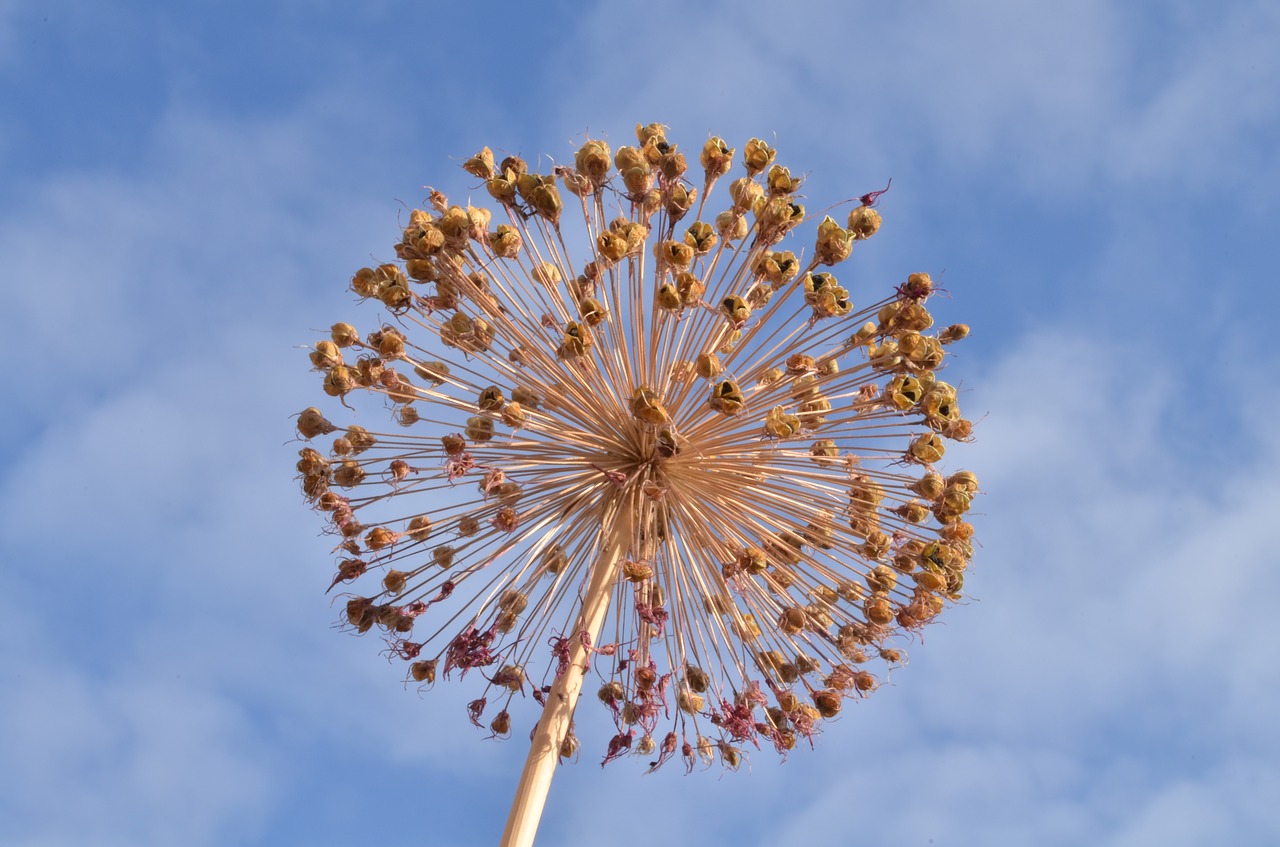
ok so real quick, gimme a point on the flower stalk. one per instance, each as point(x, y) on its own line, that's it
point(557, 714)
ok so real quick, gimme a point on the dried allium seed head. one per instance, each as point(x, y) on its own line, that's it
point(668, 409)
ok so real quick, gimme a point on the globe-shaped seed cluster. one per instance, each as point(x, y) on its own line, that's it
point(601, 362)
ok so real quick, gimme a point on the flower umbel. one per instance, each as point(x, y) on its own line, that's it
point(736, 447)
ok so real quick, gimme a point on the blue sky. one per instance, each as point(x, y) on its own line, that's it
point(184, 191)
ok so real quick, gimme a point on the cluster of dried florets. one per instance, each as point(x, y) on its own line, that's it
point(771, 444)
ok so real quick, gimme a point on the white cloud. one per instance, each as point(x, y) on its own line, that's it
point(1069, 98)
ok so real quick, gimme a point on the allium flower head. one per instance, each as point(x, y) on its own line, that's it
point(611, 423)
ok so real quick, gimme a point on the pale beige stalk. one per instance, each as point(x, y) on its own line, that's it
point(544, 751)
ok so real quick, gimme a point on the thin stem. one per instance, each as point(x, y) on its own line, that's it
point(544, 751)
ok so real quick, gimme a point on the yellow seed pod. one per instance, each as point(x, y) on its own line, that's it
point(696, 679)
point(667, 444)
point(751, 560)
point(930, 486)
point(726, 398)
point(707, 365)
point(433, 372)
point(930, 580)
point(443, 555)
point(421, 270)
point(791, 620)
point(380, 538)
point(505, 242)
point(864, 222)
point(917, 287)
point(912, 317)
point(545, 201)
point(635, 232)
point(716, 158)
point(939, 405)
point(526, 397)
point(701, 238)
point(744, 193)
point(678, 200)
point(828, 299)
point(770, 376)
point(647, 407)
point(312, 423)
point(514, 415)
point(592, 161)
point(479, 429)
point(547, 273)
point(479, 217)
point(491, 399)
point(827, 702)
point(575, 342)
point(925, 449)
point(882, 579)
point(592, 311)
point(759, 295)
point(835, 243)
point(746, 628)
point(780, 182)
point(757, 156)
point(673, 164)
point(878, 610)
point(553, 559)
point(611, 692)
point(481, 164)
point(423, 671)
point(960, 429)
point(366, 283)
point(735, 310)
point(311, 461)
point(953, 333)
point(638, 181)
point(884, 357)
point(395, 581)
point(731, 226)
point(728, 340)
point(344, 334)
point(667, 297)
point(390, 343)
point(863, 336)
point(913, 511)
point(456, 226)
point(326, 355)
point(821, 531)
point(651, 133)
point(419, 528)
point(967, 480)
point(779, 424)
point(635, 571)
point(675, 254)
point(902, 392)
point(717, 604)
point(787, 700)
point(513, 601)
point(611, 246)
point(339, 381)
point(865, 493)
point(629, 157)
point(824, 452)
point(690, 288)
point(468, 525)
point(690, 702)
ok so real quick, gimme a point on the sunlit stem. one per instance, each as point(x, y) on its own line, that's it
point(553, 726)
